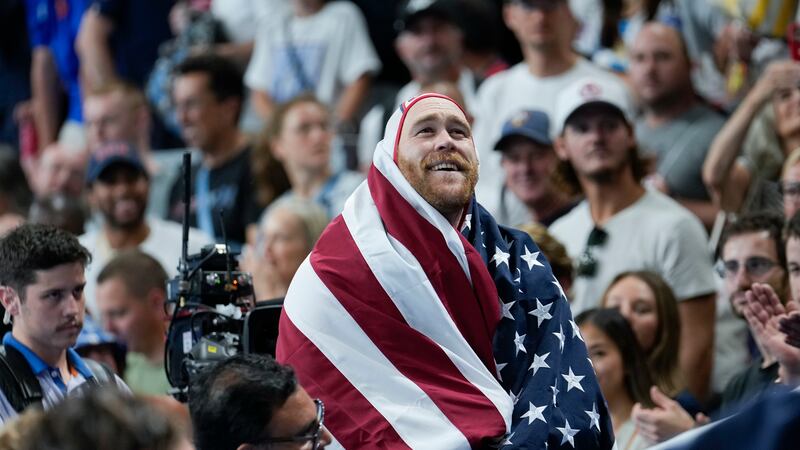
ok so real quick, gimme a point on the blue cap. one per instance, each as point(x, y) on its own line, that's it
point(533, 125)
point(112, 153)
point(92, 334)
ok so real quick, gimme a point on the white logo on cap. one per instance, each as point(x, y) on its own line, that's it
point(590, 90)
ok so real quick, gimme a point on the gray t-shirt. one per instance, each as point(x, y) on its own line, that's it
point(680, 147)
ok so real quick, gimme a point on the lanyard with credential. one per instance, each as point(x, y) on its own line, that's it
point(203, 211)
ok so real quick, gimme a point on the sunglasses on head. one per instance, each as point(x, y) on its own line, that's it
point(587, 264)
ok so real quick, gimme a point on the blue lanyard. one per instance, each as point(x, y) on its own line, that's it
point(323, 197)
point(203, 209)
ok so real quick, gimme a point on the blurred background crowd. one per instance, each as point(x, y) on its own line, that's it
point(281, 103)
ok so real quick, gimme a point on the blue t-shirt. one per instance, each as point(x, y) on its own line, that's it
point(54, 24)
point(140, 26)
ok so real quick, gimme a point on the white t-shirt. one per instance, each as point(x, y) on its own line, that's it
point(499, 98)
point(329, 50)
point(372, 125)
point(242, 18)
point(655, 233)
point(163, 244)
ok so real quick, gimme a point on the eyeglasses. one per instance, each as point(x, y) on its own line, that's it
point(756, 266)
point(790, 189)
point(544, 5)
point(312, 437)
point(587, 264)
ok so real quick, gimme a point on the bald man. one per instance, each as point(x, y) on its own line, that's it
point(676, 129)
point(421, 323)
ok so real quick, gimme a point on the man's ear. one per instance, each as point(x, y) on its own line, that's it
point(10, 300)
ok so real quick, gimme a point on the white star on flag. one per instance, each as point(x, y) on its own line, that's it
point(518, 341)
point(558, 285)
point(539, 363)
point(507, 309)
point(594, 417)
point(531, 258)
point(560, 335)
point(534, 413)
point(567, 433)
point(541, 312)
point(507, 440)
point(499, 367)
point(500, 257)
point(514, 397)
point(555, 390)
point(573, 381)
point(576, 332)
point(467, 222)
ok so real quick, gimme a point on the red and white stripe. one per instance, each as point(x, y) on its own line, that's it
point(390, 322)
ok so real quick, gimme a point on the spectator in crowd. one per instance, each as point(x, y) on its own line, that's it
point(208, 94)
point(53, 30)
point(481, 24)
point(320, 47)
point(676, 127)
point(430, 44)
point(119, 39)
point(648, 304)
point(240, 20)
point(60, 169)
point(61, 211)
point(41, 289)
point(299, 136)
point(750, 149)
point(15, 194)
point(621, 370)
point(119, 185)
point(383, 280)
point(250, 401)
point(549, 66)
point(287, 232)
point(555, 253)
point(14, 433)
point(131, 291)
point(119, 422)
point(529, 162)
point(790, 184)
point(118, 112)
point(599, 156)
point(752, 251)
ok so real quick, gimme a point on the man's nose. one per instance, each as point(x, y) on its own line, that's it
point(742, 278)
point(444, 141)
point(325, 438)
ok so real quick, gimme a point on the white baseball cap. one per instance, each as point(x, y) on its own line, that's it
point(590, 91)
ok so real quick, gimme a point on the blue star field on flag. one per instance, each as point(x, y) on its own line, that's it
point(540, 355)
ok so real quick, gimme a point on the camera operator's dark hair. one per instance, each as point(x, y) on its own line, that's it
point(224, 78)
point(754, 223)
point(118, 422)
point(32, 247)
point(138, 271)
point(232, 402)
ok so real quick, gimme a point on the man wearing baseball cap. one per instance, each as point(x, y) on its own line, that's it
point(118, 187)
point(621, 226)
point(529, 160)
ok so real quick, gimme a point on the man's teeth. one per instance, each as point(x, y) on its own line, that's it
point(445, 166)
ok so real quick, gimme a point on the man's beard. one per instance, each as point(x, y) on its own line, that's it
point(127, 225)
point(449, 202)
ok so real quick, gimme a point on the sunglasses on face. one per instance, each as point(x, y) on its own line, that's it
point(755, 266)
point(587, 264)
point(313, 437)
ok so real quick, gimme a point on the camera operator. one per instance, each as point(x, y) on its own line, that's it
point(41, 288)
point(250, 401)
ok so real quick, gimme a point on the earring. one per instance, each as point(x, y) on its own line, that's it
point(7, 318)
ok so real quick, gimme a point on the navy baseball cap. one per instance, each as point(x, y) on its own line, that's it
point(412, 10)
point(531, 124)
point(112, 153)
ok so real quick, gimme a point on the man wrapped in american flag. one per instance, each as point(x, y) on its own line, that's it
point(421, 323)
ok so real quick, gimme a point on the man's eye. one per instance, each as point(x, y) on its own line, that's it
point(426, 130)
point(458, 131)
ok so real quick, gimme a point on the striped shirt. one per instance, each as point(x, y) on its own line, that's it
point(54, 389)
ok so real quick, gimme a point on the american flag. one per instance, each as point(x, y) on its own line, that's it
point(539, 353)
point(418, 336)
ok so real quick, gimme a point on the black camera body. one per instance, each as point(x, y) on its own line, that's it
point(209, 302)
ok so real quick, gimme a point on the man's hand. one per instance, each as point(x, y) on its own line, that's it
point(764, 313)
point(790, 326)
point(665, 420)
